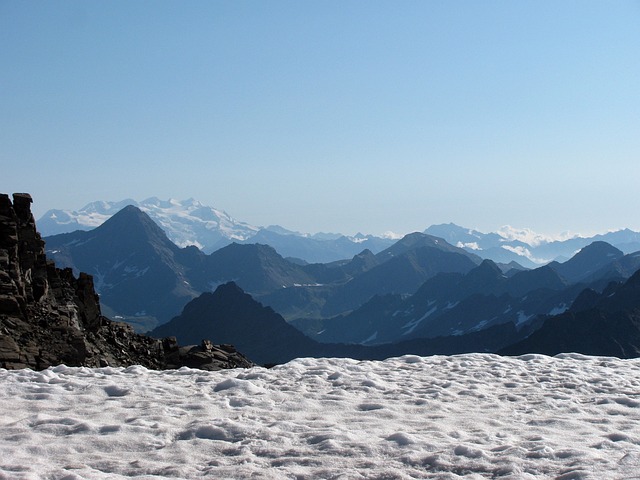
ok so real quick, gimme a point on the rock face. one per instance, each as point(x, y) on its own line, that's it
point(49, 317)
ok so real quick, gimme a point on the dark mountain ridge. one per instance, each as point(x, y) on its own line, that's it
point(420, 288)
point(606, 323)
point(146, 279)
point(231, 315)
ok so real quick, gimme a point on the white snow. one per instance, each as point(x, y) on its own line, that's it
point(450, 305)
point(444, 417)
point(372, 338)
point(523, 318)
point(557, 310)
point(411, 326)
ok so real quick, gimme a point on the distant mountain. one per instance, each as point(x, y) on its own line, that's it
point(138, 272)
point(587, 261)
point(449, 304)
point(144, 278)
point(344, 286)
point(461, 303)
point(606, 324)
point(189, 222)
point(318, 248)
point(403, 268)
point(619, 269)
point(526, 247)
point(186, 222)
point(420, 287)
point(257, 268)
point(229, 315)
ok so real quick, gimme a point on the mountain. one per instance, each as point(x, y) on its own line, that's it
point(318, 248)
point(526, 247)
point(604, 324)
point(618, 270)
point(257, 268)
point(50, 317)
point(420, 287)
point(139, 273)
point(189, 222)
point(186, 222)
point(449, 304)
point(587, 261)
point(231, 315)
point(456, 303)
point(344, 286)
point(402, 271)
point(144, 278)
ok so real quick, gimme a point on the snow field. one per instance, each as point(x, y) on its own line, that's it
point(467, 416)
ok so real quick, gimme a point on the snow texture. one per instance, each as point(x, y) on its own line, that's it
point(468, 416)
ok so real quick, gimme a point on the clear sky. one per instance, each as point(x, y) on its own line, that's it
point(338, 116)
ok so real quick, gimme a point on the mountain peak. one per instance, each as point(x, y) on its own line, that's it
point(133, 223)
point(129, 213)
point(600, 247)
point(488, 266)
point(588, 260)
point(483, 276)
point(229, 290)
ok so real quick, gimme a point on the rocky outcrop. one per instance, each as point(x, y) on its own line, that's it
point(48, 316)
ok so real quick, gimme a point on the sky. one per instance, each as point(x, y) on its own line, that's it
point(336, 116)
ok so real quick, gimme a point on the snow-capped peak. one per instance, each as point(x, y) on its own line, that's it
point(186, 222)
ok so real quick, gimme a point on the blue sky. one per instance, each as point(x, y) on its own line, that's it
point(329, 115)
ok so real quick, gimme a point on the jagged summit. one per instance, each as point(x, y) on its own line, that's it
point(133, 222)
point(485, 272)
point(229, 315)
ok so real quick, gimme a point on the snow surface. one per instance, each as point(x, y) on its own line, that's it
point(411, 326)
point(468, 416)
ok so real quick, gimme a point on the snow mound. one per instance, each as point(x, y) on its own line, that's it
point(465, 416)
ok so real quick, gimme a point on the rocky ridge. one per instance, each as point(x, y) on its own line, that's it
point(49, 317)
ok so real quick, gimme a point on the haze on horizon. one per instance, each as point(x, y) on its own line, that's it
point(329, 116)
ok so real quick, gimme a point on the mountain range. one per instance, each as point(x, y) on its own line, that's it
point(603, 324)
point(526, 247)
point(189, 222)
point(419, 295)
point(229, 315)
point(144, 278)
point(457, 303)
point(420, 288)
